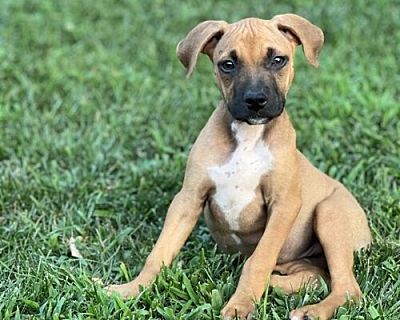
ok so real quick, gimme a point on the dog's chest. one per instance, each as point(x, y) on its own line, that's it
point(236, 180)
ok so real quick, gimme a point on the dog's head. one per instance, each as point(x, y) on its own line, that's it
point(253, 60)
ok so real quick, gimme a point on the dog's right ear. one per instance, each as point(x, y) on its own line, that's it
point(203, 38)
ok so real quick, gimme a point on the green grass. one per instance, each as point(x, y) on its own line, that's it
point(96, 121)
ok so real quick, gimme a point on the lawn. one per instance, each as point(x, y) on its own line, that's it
point(96, 122)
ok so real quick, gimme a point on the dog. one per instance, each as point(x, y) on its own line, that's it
point(259, 194)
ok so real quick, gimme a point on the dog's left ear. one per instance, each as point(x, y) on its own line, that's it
point(203, 38)
point(303, 32)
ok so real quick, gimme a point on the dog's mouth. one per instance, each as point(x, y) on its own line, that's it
point(257, 121)
point(253, 121)
point(252, 118)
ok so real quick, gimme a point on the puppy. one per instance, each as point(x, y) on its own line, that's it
point(259, 194)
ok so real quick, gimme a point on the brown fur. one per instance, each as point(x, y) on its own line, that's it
point(300, 222)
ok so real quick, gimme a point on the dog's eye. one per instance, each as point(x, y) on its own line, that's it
point(278, 61)
point(227, 66)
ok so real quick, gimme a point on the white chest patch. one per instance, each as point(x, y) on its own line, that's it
point(237, 179)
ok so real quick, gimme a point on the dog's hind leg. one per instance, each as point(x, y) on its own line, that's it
point(341, 227)
point(297, 274)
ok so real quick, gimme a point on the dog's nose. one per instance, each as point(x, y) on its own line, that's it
point(255, 100)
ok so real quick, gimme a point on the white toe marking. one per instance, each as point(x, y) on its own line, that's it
point(237, 179)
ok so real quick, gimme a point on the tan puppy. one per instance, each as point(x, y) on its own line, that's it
point(260, 195)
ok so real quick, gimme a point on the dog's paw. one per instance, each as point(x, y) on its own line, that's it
point(326, 308)
point(126, 290)
point(242, 308)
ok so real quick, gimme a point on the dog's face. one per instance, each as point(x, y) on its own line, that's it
point(254, 69)
point(253, 61)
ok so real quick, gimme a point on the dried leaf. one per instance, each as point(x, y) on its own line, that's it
point(73, 249)
point(98, 281)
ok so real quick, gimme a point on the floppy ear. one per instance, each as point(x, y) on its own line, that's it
point(203, 38)
point(303, 32)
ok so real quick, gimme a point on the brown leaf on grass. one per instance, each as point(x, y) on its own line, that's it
point(98, 281)
point(73, 249)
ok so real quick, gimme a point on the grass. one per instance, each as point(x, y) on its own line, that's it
point(96, 121)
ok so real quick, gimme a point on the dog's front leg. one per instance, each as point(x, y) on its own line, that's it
point(260, 264)
point(181, 218)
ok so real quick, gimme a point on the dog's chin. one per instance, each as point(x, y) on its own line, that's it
point(257, 121)
point(254, 121)
point(254, 118)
